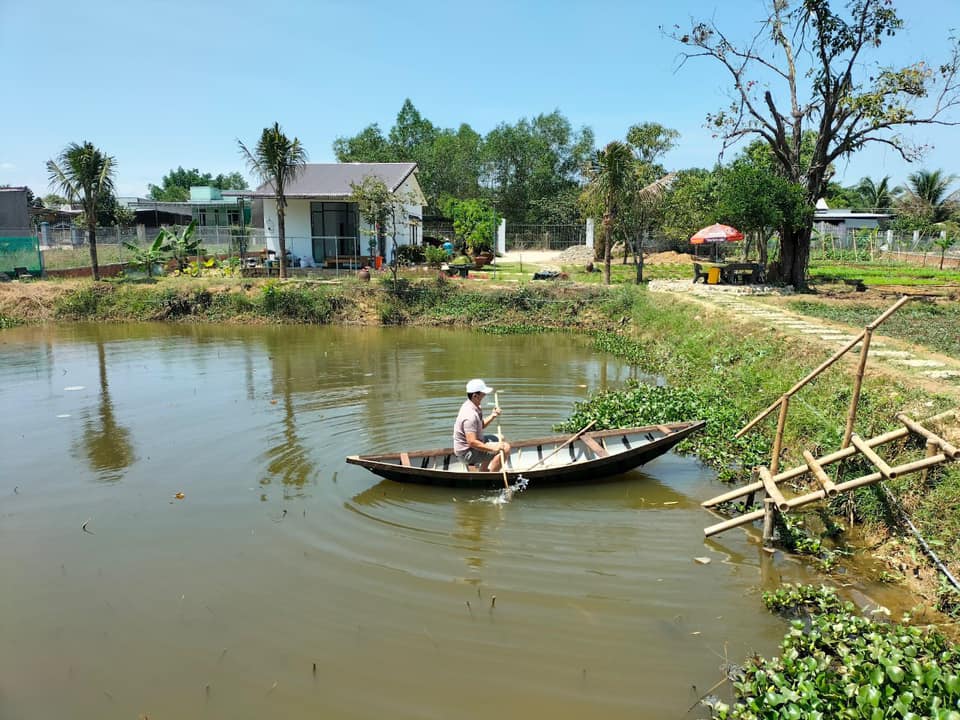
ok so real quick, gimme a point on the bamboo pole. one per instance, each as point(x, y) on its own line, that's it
point(820, 494)
point(817, 469)
point(918, 429)
point(801, 469)
point(768, 510)
point(773, 492)
point(878, 462)
point(778, 438)
point(827, 363)
point(930, 452)
point(857, 384)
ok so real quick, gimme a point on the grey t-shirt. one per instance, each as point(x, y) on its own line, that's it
point(469, 419)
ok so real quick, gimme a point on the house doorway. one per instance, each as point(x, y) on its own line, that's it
point(333, 227)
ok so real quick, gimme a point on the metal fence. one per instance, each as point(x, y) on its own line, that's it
point(544, 237)
point(883, 246)
point(66, 248)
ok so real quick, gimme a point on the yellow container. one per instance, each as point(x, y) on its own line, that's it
point(713, 276)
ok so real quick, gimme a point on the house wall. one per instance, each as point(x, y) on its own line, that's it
point(296, 225)
point(298, 229)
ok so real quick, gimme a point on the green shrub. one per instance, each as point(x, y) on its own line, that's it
point(410, 254)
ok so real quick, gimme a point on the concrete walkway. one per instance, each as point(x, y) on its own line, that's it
point(884, 351)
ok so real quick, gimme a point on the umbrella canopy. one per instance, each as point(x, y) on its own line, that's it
point(716, 234)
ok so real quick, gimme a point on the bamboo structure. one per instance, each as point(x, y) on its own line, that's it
point(784, 402)
point(776, 500)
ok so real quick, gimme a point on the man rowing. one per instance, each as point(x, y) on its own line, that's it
point(478, 451)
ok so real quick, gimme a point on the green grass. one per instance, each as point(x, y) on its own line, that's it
point(933, 325)
point(885, 274)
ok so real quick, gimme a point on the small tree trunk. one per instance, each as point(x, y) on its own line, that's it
point(607, 241)
point(92, 233)
point(943, 252)
point(282, 233)
point(638, 258)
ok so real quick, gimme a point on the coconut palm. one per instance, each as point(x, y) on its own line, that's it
point(277, 160)
point(611, 178)
point(84, 175)
point(927, 196)
point(877, 196)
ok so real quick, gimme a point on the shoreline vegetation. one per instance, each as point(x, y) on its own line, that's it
point(714, 368)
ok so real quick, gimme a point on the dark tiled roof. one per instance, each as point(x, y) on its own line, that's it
point(333, 179)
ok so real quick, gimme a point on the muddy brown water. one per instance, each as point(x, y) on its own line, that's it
point(286, 583)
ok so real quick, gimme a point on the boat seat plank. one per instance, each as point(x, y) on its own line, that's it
point(405, 459)
point(598, 450)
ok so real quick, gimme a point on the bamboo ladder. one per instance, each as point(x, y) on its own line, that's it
point(769, 477)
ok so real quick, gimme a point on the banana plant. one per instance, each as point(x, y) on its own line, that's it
point(147, 258)
point(181, 246)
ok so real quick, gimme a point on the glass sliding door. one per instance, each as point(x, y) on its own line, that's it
point(334, 229)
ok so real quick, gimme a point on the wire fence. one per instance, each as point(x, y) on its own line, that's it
point(869, 245)
point(66, 248)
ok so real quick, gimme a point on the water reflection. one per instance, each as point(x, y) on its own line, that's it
point(105, 443)
point(288, 459)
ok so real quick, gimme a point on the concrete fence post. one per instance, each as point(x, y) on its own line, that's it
point(502, 236)
point(590, 233)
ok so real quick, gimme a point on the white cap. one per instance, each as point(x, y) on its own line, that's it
point(477, 385)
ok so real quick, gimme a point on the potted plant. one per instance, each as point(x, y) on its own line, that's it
point(475, 222)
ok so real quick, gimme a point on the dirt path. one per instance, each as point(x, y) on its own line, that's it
point(913, 363)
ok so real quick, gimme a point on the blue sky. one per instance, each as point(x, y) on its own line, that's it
point(162, 84)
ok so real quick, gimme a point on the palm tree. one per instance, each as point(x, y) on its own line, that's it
point(877, 196)
point(84, 174)
point(611, 176)
point(277, 160)
point(927, 196)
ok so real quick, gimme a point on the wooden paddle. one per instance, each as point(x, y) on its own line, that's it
point(503, 460)
point(565, 443)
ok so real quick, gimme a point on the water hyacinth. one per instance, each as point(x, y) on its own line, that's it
point(834, 663)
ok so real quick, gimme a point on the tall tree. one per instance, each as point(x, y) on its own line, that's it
point(807, 67)
point(927, 197)
point(532, 160)
point(757, 200)
point(612, 178)
point(84, 174)
point(877, 196)
point(277, 160)
point(175, 185)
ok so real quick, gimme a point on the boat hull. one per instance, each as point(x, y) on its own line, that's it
point(593, 456)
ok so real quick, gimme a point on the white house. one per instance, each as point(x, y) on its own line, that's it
point(324, 228)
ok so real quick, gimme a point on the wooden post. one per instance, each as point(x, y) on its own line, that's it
point(857, 384)
point(768, 510)
point(778, 438)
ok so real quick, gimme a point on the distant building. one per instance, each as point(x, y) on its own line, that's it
point(838, 222)
point(14, 213)
point(209, 206)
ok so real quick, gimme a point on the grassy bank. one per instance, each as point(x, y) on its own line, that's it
point(716, 369)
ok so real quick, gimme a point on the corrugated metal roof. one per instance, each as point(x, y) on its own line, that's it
point(333, 179)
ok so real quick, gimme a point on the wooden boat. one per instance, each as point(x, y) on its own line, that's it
point(549, 460)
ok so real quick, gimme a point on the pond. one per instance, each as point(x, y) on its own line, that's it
point(285, 583)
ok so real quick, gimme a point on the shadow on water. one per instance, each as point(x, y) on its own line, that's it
point(105, 443)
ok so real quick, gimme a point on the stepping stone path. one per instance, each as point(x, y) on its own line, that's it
point(738, 305)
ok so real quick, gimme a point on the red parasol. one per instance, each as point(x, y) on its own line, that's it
point(716, 234)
